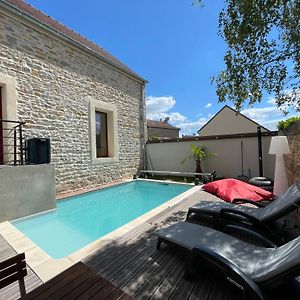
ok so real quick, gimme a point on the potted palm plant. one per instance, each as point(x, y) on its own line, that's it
point(199, 153)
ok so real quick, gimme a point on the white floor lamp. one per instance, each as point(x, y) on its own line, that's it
point(279, 146)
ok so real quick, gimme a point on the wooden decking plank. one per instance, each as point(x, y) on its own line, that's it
point(135, 259)
point(133, 250)
point(84, 286)
point(145, 273)
point(125, 252)
point(68, 288)
point(223, 290)
point(150, 286)
point(104, 292)
point(169, 284)
point(185, 288)
point(115, 294)
point(125, 297)
point(40, 293)
point(126, 274)
point(127, 239)
point(113, 254)
point(94, 289)
point(201, 286)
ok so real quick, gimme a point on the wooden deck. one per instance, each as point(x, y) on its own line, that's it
point(32, 281)
point(133, 264)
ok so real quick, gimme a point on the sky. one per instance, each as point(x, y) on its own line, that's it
point(174, 45)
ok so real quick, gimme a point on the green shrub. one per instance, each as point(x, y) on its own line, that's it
point(153, 139)
point(284, 124)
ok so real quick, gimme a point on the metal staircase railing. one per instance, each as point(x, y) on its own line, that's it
point(12, 146)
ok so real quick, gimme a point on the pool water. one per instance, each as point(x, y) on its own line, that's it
point(82, 219)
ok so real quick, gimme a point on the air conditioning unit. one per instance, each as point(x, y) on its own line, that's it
point(38, 151)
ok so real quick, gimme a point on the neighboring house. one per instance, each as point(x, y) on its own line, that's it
point(90, 105)
point(229, 121)
point(231, 136)
point(162, 129)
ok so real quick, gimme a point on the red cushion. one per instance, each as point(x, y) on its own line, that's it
point(229, 189)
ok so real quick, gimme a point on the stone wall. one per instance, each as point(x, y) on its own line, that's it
point(53, 81)
point(292, 160)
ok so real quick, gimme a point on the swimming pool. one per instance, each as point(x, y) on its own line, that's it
point(82, 219)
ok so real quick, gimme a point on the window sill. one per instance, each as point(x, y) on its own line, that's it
point(104, 160)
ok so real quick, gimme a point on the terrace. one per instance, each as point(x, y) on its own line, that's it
point(132, 263)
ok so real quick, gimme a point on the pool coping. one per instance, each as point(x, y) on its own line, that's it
point(47, 267)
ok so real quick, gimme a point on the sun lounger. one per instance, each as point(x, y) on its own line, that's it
point(251, 268)
point(258, 219)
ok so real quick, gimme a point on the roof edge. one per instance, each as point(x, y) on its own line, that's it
point(237, 112)
point(19, 12)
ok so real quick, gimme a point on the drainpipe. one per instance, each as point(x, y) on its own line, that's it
point(260, 161)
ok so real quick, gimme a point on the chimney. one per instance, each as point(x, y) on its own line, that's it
point(166, 120)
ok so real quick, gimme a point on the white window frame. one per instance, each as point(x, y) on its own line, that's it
point(112, 131)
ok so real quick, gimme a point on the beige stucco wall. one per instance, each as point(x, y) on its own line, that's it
point(227, 162)
point(34, 182)
point(54, 82)
point(228, 122)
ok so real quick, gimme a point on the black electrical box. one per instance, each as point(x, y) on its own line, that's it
point(38, 151)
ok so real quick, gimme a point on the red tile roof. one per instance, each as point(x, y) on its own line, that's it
point(60, 28)
point(160, 124)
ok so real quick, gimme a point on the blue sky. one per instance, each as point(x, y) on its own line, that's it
point(172, 44)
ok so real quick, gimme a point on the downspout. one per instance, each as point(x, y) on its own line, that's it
point(144, 120)
point(260, 160)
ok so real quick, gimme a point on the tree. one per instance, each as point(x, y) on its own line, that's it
point(263, 38)
point(199, 153)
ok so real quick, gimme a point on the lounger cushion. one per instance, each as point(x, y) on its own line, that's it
point(260, 264)
point(230, 189)
point(214, 207)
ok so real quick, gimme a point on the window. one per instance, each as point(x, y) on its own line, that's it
point(101, 134)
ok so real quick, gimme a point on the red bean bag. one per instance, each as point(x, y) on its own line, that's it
point(229, 189)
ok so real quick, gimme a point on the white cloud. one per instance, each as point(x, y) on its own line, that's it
point(159, 105)
point(208, 105)
point(160, 108)
point(189, 127)
point(267, 116)
point(177, 117)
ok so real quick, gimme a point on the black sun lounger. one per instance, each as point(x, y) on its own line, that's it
point(258, 219)
point(253, 269)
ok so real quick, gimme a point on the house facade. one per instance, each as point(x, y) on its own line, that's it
point(162, 129)
point(229, 121)
point(64, 87)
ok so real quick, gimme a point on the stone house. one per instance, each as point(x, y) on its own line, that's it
point(162, 129)
point(66, 88)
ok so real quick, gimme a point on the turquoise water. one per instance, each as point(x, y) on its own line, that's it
point(82, 219)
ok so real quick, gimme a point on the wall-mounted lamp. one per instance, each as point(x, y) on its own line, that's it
point(279, 146)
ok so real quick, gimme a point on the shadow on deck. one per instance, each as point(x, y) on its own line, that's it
point(133, 264)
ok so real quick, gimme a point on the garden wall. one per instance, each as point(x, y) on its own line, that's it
point(292, 160)
point(167, 156)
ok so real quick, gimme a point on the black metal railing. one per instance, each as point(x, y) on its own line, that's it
point(12, 146)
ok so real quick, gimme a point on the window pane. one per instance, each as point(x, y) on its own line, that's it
point(101, 134)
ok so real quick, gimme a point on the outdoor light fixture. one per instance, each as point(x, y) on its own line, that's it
point(279, 146)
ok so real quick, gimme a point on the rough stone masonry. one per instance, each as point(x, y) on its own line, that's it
point(53, 79)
